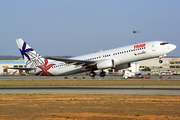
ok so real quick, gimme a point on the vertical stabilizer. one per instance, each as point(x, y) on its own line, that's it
point(31, 57)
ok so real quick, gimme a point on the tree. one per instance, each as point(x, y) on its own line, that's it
point(146, 69)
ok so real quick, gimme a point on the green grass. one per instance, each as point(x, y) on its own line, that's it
point(77, 82)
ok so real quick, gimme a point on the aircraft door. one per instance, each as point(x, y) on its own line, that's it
point(153, 47)
point(167, 46)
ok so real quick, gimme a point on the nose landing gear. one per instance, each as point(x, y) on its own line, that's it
point(160, 61)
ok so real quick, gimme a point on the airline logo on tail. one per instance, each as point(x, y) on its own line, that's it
point(24, 51)
point(31, 58)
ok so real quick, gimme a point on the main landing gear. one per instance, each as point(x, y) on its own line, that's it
point(102, 74)
point(93, 74)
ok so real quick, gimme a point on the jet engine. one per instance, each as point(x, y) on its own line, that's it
point(106, 63)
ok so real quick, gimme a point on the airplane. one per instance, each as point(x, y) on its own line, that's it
point(118, 58)
point(128, 74)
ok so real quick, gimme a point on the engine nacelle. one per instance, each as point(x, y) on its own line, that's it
point(106, 63)
point(122, 66)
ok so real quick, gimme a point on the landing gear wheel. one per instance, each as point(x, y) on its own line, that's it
point(92, 74)
point(160, 61)
point(102, 74)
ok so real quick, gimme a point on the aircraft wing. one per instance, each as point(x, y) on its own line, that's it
point(75, 61)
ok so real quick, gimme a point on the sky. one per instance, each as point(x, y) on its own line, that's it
point(78, 27)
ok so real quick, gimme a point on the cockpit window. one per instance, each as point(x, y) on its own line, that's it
point(163, 43)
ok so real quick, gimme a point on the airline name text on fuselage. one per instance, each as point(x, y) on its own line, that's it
point(139, 46)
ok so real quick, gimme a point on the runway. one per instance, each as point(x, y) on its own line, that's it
point(125, 90)
point(133, 90)
point(81, 77)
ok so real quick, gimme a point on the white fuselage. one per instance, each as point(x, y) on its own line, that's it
point(120, 56)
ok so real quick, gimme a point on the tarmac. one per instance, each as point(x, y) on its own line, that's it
point(85, 77)
point(125, 90)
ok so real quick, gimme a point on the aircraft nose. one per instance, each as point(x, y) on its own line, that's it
point(172, 47)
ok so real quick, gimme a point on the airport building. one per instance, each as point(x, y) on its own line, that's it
point(11, 63)
point(168, 66)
